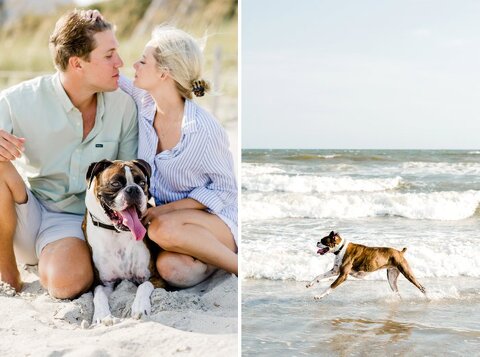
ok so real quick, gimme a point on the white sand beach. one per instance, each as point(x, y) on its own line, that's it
point(199, 321)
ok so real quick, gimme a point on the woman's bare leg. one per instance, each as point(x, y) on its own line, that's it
point(197, 234)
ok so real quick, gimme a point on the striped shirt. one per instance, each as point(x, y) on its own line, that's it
point(200, 166)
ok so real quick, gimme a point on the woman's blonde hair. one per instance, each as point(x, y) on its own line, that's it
point(180, 54)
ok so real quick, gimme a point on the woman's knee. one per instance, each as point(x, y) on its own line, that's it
point(164, 232)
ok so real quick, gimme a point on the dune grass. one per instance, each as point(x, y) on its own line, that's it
point(24, 45)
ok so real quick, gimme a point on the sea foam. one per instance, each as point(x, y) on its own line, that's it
point(311, 184)
point(447, 205)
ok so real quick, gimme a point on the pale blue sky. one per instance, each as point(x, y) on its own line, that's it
point(397, 74)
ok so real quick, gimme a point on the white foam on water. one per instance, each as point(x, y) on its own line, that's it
point(252, 170)
point(446, 205)
point(315, 184)
point(458, 168)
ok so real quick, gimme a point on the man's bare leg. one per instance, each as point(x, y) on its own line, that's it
point(12, 191)
point(65, 268)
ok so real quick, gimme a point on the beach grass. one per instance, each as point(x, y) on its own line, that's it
point(24, 44)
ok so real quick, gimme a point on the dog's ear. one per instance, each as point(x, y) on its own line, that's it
point(332, 233)
point(145, 168)
point(95, 168)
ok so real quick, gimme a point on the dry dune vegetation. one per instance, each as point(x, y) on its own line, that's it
point(24, 43)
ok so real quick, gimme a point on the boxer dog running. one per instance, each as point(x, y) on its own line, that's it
point(116, 200)
point(358, 260)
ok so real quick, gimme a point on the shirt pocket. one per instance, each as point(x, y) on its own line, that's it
point(103, 150)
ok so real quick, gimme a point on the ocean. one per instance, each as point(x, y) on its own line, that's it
point(427, 201)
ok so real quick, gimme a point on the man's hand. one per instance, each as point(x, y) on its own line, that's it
point(11, 146)
point(92, 15)
point(11, 276)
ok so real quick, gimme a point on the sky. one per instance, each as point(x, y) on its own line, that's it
point(360, 74)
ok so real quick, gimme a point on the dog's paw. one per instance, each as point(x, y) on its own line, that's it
point(141, 305)
point(139, 310)
point(107, 320)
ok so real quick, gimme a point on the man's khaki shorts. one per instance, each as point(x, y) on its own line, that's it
point(38, 226)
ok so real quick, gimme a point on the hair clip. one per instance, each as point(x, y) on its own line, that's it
point(198, 88)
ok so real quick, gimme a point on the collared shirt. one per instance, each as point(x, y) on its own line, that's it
point(200, 166)
point(56, 157)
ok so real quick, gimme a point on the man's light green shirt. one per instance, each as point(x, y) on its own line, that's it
point(56, 158)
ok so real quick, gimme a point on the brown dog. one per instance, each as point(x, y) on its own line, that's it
point(116, 200)
point(358, 260)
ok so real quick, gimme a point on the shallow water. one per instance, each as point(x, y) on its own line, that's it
point(360, 318)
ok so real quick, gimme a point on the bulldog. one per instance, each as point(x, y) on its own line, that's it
point(116, 200)
point(358, 260)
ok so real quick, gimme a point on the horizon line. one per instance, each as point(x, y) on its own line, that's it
point(277, 148)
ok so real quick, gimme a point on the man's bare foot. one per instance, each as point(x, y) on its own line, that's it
point(12, 277)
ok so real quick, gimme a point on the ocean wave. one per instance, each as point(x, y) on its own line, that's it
point(308, 157)
point(457, 168)
point(305, 184)
point(253, 170)
point(447, 205)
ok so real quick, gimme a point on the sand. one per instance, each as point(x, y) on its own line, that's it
point(199, 321)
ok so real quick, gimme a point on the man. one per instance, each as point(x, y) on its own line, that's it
point(56, 126)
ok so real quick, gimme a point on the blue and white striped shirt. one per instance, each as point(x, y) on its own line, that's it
point(200, 166)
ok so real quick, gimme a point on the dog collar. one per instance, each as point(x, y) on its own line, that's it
point(337, 252)
point(97, 223)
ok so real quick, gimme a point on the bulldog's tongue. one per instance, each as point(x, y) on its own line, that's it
point(131, 220)
point(322, 251)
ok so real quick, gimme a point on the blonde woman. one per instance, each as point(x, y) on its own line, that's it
point(193, 181)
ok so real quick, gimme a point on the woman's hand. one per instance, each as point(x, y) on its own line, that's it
point(92, 15)
point(154, 212)
point(186, 203)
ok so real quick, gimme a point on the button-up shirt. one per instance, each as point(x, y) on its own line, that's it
point(56, 157)
point(200, 166)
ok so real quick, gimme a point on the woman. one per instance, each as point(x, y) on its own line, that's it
point(193, 181)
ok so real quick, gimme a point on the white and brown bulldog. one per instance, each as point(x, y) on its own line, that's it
point(116, 200)
point(358, 260)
